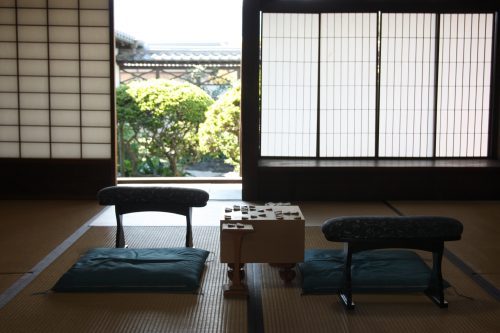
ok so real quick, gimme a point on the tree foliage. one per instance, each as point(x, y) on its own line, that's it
point(158, 122)
point(220, 133)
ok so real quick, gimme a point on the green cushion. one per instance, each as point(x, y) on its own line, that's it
point(124, 269)
point(371, 271)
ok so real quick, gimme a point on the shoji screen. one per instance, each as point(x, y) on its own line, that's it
point(55, 95)
point(407, 73)
point(433, 90)
point(289, 84)
point(464, 85)
point(348, 84)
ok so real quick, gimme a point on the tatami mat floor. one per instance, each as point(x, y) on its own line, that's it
point(6, 280)
point(36, 309)
point(30, 230)
point(287, 310)
point(480, 245)
point(284, 308)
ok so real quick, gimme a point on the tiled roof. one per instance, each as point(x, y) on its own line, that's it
point(182, 56)
point(125, 40)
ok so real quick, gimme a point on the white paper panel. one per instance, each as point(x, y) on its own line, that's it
point(35, 133)
point(63, 34)
point(7, 16)
point(9, 150)
point(63, 3)
point(95, 85)
point(32, 16)
point(64, 68)
point(32, 3)
point(95, 68)
point(65, 101)
point(34, 101)
point(9, 133)
point(94, 4)
point(94, 35)
point(406, 94)
point(35, 150)
point(63, 17)
point(8, 100)
point(8, 33)
point(65, 150)
point(64, 51)
point(8, 3)
point(65, 134)
point(32, 33)
point(96, 151)
point(96, 118)
point(64, 84)
point(8, 83)
point(65, 118)
point(35, 117)
point(33, 50)
point(94, 52)
point(348, 90)
point(464, 85)
point(9, 117)
point(95, 102)
point(94, 18)
point(289, 90)
point(96, 135)
point(8, 67)
point(33, 67)
point(8, 50)
point(33, 84)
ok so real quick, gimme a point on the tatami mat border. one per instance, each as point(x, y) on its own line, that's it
point(27, 278)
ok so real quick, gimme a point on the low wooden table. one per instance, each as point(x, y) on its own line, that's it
point(266, 234)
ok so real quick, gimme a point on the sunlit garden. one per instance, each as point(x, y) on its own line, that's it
point(167, 127)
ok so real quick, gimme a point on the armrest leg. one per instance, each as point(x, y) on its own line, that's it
point(120, 235)
point(435, 289)
point(345, 293)
point(189, 229)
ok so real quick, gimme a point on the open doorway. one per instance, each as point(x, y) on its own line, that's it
point(177, 74)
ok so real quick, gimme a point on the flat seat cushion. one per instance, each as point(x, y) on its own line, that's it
point(124, 269)
point(371, 271)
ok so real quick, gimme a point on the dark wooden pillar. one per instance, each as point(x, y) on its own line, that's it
point(250, 140)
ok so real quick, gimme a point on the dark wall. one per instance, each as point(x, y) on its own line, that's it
point(54, 179)
point(378, 183)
